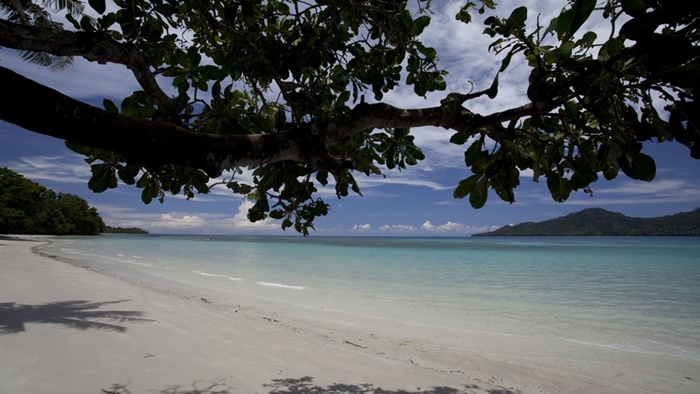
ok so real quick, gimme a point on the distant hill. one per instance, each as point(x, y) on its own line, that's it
point(600, 222)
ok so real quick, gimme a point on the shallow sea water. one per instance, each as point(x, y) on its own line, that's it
point(638, 295)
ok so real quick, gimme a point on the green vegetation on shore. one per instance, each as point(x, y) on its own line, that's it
point(600, 222)
point(124, 230)
point(27, 207)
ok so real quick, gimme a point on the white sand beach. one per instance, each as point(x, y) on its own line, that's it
point(67, 329)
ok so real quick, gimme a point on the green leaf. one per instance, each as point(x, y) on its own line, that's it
point(559, 54)
point(559, 187)
point(459, 138)
point(280, 119)
point(98, 5)
point(463, 15)
point(581, 11)
point(72, 20)
point(474, 154)
point(322, 177)
point(199, 181)
point(86, 23)
point(642, 167)
point(110, 106)
point(570, 20)
point(103, 178)
point(149, 192)
point(128, 173)
point(466, 186)
point(419, 25)
point(277, 214)
point(634, 7)
point(516, 21)
point(493, 89)
point(479, 194)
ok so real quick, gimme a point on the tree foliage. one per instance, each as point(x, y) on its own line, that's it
point(293, 91)
point(29, 208)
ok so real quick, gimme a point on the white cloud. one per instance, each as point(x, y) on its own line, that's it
point(361, 228)
point(188, 222)
point(637, 192)
point(427, 229)
point(664, 187)
point(240, 220)
point(449, 227)
point(397, 228)
point(69, 168)
point(452, 228)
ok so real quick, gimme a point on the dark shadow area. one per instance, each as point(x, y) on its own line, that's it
point(81, 315)
point(17, 238)
point(198, 387)
point(306, 385)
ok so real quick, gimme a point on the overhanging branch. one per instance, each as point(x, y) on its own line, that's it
point(97, 47)
point(43, 110)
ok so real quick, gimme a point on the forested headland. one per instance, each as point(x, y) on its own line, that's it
point(27, 207)
point(600, 222)
point(124, 230)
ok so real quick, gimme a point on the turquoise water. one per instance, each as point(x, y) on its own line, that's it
point(633, 294)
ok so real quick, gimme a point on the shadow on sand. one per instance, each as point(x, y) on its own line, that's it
point(306, 385)
point(81, 315)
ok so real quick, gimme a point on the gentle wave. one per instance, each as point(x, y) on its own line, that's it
point(650, 347)
point(208, 274)
point(202, 273)
point(281, 286)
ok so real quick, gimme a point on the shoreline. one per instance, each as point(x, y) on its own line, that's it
point(65, 328)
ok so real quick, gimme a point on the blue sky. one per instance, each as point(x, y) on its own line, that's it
point(414, 202)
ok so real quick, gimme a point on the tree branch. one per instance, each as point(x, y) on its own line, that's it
point(43, 110)
point(97, 47)
point(529, 109)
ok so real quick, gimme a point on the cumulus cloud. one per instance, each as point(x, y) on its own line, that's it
point(188, 222)
point(452, 228)
point(361, 228)
point(427, 229)
point(398, 228)
point(240, 220)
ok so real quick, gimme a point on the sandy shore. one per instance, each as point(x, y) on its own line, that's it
point(66, 329)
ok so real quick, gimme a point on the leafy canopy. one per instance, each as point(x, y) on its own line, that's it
point(292, 90)
point(29, 208)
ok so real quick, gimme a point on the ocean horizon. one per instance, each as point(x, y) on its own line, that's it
point(628, 294)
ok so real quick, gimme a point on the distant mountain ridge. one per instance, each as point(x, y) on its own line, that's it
point(600, 222)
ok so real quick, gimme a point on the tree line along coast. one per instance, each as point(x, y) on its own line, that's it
point(27, 207)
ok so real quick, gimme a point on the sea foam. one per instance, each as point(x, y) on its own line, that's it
point(281, 286)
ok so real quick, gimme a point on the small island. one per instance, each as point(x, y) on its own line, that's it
point(600, 222)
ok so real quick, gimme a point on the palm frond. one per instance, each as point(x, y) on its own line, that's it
point(74, 7)
point(54, 63)
point(60, 63)
point(39, 58)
